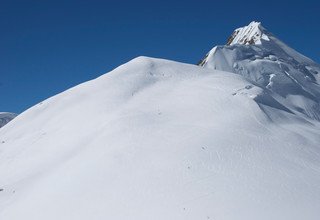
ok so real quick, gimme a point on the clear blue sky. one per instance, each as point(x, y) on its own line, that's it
point(49, 46)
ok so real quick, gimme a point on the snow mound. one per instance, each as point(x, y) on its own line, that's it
point(160, 140)
point(288, 79)
point(5, 117)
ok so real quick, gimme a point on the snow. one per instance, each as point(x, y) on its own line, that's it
point(5, 117)
point(157, 139)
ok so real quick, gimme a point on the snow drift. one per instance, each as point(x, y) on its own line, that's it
point(163, 140)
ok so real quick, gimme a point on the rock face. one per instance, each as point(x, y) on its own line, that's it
point(5, 117)
point(287, 79)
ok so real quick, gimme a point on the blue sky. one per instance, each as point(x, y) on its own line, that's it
point(49, 46)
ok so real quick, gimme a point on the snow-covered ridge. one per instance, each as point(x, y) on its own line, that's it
point(5, 117)
point(251, 34)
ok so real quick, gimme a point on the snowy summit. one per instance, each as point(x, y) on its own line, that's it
point(236, 138)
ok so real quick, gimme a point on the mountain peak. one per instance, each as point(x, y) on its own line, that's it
point(5, 117)
point(250, 34)
point(265, 61)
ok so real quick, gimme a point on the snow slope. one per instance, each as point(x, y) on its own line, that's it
point(160, 140)
point(5, 117)
point(287, 79)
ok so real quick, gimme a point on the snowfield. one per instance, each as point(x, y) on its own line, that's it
point(162, 140)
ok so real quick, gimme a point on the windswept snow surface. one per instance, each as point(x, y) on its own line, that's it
point(287, 79)
point(160, 140)
point(5, 117)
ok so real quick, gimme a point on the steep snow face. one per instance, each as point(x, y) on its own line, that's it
point(159, 140)
point(5, 117)
point(288, 80)
point(251, 34)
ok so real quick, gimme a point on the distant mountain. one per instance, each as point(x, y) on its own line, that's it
point(5, 117)
point(236, 138)
point(286, 79)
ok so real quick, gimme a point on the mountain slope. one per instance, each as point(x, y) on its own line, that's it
point(5, 117)
point(287, 79)
point(160, 140)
